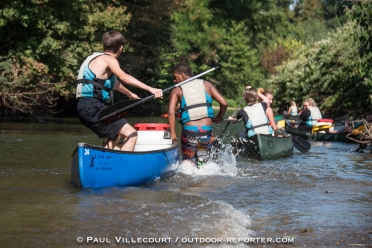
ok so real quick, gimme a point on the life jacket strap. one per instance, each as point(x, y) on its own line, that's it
point(261, 125)
point(186, 108)
point(101, 86)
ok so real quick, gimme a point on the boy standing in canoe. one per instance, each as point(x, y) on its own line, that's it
point(197, 114)
point(99, 76)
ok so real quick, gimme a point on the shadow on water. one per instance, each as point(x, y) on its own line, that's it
point(319, 199)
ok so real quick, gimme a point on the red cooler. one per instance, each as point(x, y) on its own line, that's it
point(151, 126)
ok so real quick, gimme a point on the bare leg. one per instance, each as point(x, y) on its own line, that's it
point(110, 144)
point(130, 139)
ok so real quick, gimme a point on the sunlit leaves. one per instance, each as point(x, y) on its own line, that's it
point(327, 71)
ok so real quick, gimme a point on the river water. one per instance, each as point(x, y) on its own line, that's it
point(319, 199)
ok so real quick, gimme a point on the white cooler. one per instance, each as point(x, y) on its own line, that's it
point(152, 140)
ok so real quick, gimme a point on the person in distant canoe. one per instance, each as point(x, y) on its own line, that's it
point(315, 112)
point(197, 114)
point(347, 129)
point(309, 116)
point(292, 110)
point(99, 75)
point(257, 117)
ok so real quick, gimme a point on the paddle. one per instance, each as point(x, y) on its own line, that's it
point(320, 128)
point(233, 120)
point(121, 109)
point(117, 107)
point(300, 143)
point(228, 123)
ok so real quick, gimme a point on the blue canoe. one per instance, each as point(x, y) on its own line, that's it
point(95, 167)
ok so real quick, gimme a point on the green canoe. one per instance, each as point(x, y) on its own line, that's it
point(264, 147)
point(317, 136)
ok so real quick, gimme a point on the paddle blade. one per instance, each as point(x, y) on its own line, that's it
point(301, 144)
point(115, 112)
point(320, 128)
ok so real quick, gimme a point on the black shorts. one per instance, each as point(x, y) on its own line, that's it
point(88, 109)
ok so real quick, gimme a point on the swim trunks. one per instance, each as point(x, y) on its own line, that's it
point(197, 143)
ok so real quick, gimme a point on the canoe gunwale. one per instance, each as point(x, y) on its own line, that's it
point(258, 147)
point(316, 136)
point(100, 148)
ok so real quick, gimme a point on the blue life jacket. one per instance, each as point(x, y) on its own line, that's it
point(90, 86)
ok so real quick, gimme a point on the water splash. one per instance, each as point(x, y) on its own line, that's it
point(224, 163)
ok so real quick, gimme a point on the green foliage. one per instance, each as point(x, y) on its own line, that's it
point(312, 31)
point(328, 71)
point(241, 35)
point(56, 35)
point(265, 21)
point(202, 44)
point(361, 13)
point(194, 32)
point(313, 19)
point(334, 12)
point(240, 62)
point(306, 10)
point(149, 34)
point(232, 103)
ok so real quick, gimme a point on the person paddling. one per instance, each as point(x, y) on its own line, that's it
point(309, 116)
point(292, 110)
point(257, 117)
point(197, 114)
point(99, 75)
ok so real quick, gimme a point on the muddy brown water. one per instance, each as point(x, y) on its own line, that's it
point(319, 199)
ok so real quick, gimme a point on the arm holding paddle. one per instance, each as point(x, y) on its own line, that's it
point(197, 113)
point(239, 117)
point(132, 81)
point(97, 79)
point(121, 109)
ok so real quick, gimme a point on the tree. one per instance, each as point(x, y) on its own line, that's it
point(327, 71)
point(279, 52)
point(44, 42)
point(307, 10)
point(149, 36)
point(240, 62)
point(361, 13)
point(335, 12)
